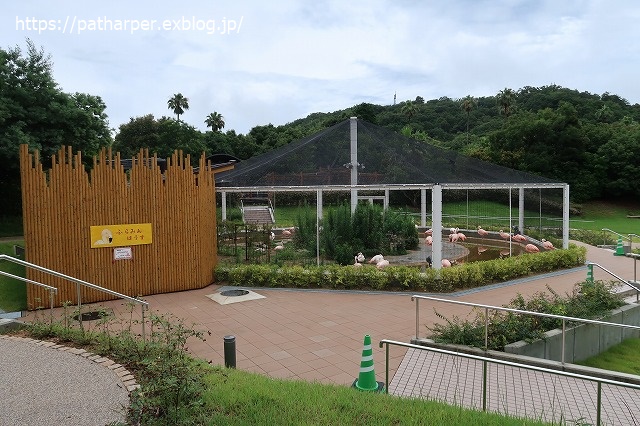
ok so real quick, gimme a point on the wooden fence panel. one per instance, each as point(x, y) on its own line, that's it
point(60, 206)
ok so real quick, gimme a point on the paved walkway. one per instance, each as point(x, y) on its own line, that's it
point(318, 335)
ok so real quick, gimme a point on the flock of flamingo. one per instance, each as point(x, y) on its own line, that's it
point(454, 236)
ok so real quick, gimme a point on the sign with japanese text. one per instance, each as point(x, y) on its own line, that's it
point(122, 253)
point(121, 235)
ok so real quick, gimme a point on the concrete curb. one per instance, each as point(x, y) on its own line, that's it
point(126, 378)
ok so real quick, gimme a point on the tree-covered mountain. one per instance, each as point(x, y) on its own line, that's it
point(590, 141)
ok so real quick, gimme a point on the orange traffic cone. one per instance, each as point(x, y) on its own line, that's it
point(366, 380)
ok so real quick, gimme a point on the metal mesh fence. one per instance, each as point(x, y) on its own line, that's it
point(384, 158)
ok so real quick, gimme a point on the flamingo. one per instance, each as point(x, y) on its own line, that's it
point(453, 238)
point(382, 264)
point(504, 235)
point(519, 237)
point(279, 247)
point(504, 253)
point(548, 245)
point(360, 257)
point(286, 233)
point(461, 236)
point(428, 232)
point(481, 249)
point(446, 263)
point(531, 248)
point(357, 264)
point(429, 240)
point(376, 259)
point(272, 236)
point(482, 232)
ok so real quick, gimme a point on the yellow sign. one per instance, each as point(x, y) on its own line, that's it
point(121, 235)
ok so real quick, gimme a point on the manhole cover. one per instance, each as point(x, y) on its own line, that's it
point(91, 316)
point(233, 293)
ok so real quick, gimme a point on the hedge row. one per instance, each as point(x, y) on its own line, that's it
point(367, 277)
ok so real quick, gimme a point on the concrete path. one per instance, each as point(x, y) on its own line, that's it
point(318, 335)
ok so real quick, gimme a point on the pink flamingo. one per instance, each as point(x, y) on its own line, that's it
point(428, 232)
point(382, 264)
point(481, 249)
point(453, 238)
point(461, 236)
point(519, 237)
point(446, 263)
point(504, 235)
point(531, 248)
point(429, 240)
point(286, 233)
point(548, 245)
point(482, 232)
point(376, 259)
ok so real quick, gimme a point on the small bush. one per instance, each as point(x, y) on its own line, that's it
point(401, 277)
point(588, 300)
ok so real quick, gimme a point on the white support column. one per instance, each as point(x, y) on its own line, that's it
point(521, 209)
point(423, 207)
point(224, 205)
point(318, 219)
point(386, 199)
point(436, 225)
point(319, 203)
point(565, 217)
point(354, 162)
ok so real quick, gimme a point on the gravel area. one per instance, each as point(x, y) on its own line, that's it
point(45, 386)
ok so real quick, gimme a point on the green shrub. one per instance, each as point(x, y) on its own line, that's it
point(401, 277)
point(588, 300)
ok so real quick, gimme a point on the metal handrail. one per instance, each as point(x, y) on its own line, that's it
point(564, 319)
point(143, 304)
point(619, 235)
point(48, 287)
point(486, 360)
point(630, 283)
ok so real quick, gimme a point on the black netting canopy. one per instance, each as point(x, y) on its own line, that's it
point(383, 156)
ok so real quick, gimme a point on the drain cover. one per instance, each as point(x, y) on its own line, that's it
point(91, 316)
point(233, 293)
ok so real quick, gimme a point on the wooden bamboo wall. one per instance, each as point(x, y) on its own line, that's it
point(61, 204)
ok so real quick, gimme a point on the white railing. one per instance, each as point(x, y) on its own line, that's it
point(487, 308)
point(143, 304)
point(489, 390)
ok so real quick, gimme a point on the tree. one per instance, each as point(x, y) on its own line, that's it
point(409, 109)
point(506, 99)
point(215, 120)
point(35, 111)
point(178, 104)
point(467, 104)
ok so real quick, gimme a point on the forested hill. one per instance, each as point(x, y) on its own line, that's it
point(590, 141)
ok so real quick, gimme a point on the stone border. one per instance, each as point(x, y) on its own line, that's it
point(126, 378)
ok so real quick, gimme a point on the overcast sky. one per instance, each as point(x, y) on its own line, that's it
point(260, 62)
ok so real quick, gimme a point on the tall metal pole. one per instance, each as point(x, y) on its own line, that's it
point(436, 225)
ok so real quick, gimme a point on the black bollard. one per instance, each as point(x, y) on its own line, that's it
point(230, 351)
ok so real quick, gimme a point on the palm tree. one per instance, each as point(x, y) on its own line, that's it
point(506, 99)
point(467, 104)
point(178, 103)
point(215, 120)
point(409, 109)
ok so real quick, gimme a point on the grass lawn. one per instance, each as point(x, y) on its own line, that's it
point(237, 397)
point(596, 216)
point(13, 293)
point(624, 358)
